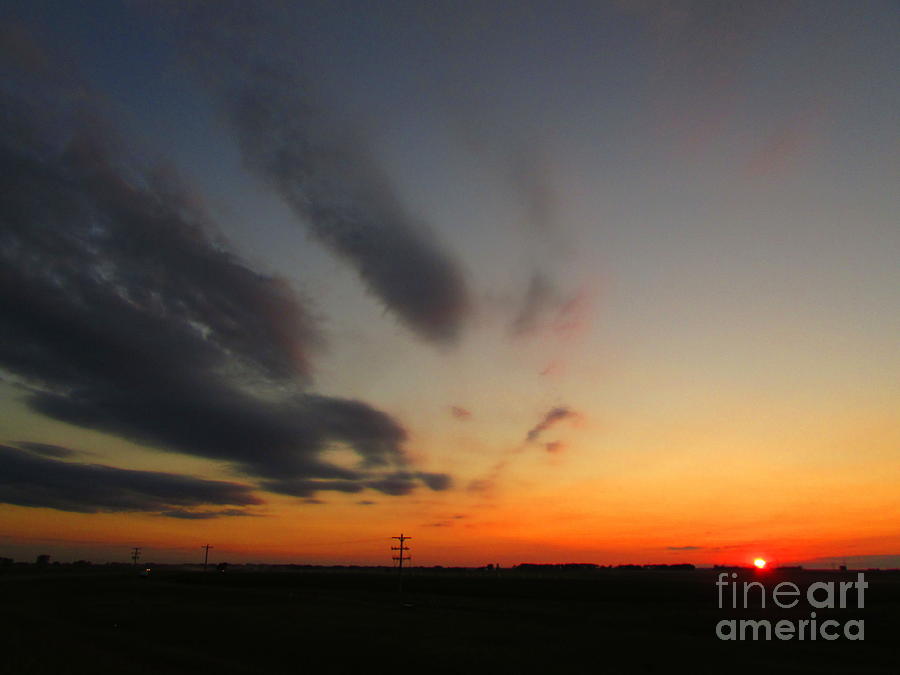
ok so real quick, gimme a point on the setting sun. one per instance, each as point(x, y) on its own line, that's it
point(760, 563)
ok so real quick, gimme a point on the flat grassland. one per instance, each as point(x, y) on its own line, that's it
point(98, 620)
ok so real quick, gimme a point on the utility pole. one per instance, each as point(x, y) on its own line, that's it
point(206, 555)
point(135, 555)
point(401, 557)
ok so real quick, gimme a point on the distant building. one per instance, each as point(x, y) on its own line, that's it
point(42, 560)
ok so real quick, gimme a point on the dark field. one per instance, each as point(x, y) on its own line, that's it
point(606, 621)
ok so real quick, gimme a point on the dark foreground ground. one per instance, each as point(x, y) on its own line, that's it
point(606, 621)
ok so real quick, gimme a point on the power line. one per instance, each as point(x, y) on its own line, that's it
point(401, 557)
point(206, 555)
point(135, 555)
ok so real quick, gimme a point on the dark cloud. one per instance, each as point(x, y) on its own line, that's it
point(436, 481)
point(403, 482)
point(366, 502)
point(47, 450)
point(322, 168)
point(205, 515)
point(121, 311)
point(307, 488)
point(684, 548)
point(395, 483)
point(552, 417)
point(554, 447)
point(28, 480)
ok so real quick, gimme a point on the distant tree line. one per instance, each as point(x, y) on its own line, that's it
point(593, 566)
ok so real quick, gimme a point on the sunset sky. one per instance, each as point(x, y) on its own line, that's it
point(601, 282)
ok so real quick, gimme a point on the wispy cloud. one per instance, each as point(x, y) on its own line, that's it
point(544, 307)
point(540, 296)
point(460, 413)
point(552, 417)
point(784, 147)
